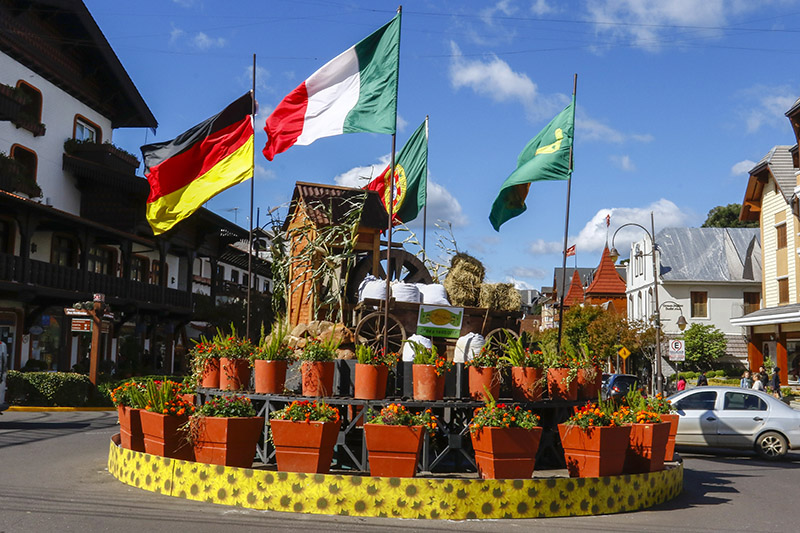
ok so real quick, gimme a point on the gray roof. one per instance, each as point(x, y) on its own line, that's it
point(710, 254)
point(779, 160)
point(583, 272)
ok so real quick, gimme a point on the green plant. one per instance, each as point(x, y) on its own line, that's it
point(306, 411)
point(397, 415)
point(660, 405)
point(367, 355)
point(517, 353)
point(318, 351)
point(162, 397)
point(227, 406)
point(274, 347)
point(501, 416)
point(705, 344)
point(600, 414)
point(487, 358)
point(201, 355)
point(430, 356)
point(61, 389)
point(125, 396)
point(232, 346)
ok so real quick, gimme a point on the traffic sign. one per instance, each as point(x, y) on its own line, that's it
point(677, 350)
point(624, 352)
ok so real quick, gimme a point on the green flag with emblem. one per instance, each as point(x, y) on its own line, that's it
point(546, 157)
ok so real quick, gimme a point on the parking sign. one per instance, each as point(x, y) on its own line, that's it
point(677, 350)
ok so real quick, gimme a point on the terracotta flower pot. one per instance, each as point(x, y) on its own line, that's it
point(557, 386)
point(393, 450)
point(526, 384)
point(483, 376)
point(672, 418)
point(210, 377)
point(596, 451)
point(506, 453)
point(427, 385)
point(228, 441)
point(590, 380)
point(130, 428)
point(304, 446)
point(317, 378)
point(189, 398)
point(234, 374)
point(370, 382)
point(646, 448)
point(269, 376)
point(162, 436)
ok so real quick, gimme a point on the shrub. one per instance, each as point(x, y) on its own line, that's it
point(48, 389)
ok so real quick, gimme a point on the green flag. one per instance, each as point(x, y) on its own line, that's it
point(410, 177)
point(546, 157)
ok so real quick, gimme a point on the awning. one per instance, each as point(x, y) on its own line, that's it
point(771, 315)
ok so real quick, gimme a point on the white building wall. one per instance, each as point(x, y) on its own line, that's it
point(58, 115)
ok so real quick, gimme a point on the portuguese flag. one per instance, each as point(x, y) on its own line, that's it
point(198, 164)
point(355, 91)
point(410, 178)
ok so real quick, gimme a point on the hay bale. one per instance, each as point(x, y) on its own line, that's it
point(463, 281)
point(500, 297)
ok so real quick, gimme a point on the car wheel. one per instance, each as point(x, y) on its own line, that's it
point(771, 445)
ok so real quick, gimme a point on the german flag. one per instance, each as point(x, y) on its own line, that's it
point(198, 164)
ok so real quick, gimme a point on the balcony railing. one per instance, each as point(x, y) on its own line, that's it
point(47, 275)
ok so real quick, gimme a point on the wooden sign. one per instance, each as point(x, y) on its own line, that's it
point(82, 324)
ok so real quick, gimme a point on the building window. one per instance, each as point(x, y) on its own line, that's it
point(245, 279)
point(27, 161)
point(783, 291)
point(102, 260)
point(220, 273)
point(639, 308)
point(752, 302)
point(155, 272)
point(234, 276)
point(64, 251)
point(782, 241)
point(699, 304)
point(140, 268)
point(6, 237)
point(86, 130)
point(32, 109)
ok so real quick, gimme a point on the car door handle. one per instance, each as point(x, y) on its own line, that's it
point(710, 418)
point(757, 418)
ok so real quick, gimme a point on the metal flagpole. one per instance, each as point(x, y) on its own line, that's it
point(566, 225)
point(390, 210)
point(252, 185)
point(425, 207)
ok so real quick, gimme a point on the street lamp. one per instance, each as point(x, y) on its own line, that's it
point(656, 317)
point(681, 323)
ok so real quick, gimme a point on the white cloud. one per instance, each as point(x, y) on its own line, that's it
point(592, 237)
point(175, 35)
point(264, 173)
point(589, 129)
point(503, 6)
point(441, 204)
point(204, 42)
point(528, 272)
point(762, 105)
point(646, 22)
point(262, 75)
point(185, 3)
point(623, 162)
point(518, 283)
point(541, 7)
point(742, 167)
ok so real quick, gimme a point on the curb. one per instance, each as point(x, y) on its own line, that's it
point(34, 409)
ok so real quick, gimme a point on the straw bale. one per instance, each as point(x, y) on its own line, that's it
point(466, 263)
point(500, 297)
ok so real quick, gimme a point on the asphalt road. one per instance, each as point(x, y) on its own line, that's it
point(53, 478)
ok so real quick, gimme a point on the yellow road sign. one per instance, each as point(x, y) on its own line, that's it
point(624, 352)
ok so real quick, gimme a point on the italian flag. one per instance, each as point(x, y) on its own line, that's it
point(355, 91)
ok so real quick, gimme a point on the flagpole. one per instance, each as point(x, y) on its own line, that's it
point(252, 186)
point(390, 210)
point(566, 225)
point(425, 207)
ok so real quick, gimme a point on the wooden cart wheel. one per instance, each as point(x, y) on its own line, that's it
point(496, 338)
point(369, 331)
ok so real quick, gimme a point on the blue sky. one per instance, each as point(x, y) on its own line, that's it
point(676, 100)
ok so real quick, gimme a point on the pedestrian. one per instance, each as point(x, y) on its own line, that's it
point(775, 382)
point(681, 385)
point(764, 376)
point(757, 383)
point(746, 382)
point(702, 381)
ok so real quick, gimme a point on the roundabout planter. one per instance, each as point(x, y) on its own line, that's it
point(526, 383)
point(269, 376)
point(483, 376)
point(506, 453)
point(646, 447)
point(370, 381)
point(557, 386)
point(163, 437)
point(210, 377)
point(304, 446)
point(590, 381)
point(428, 386)
point(393, 450)
point(596, 451)
point(673, 419)
point(130, 428)
point(234, 374)
point(228, 441)
point(317, 378)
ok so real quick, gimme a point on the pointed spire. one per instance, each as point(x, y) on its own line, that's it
point(575, 292)
point(606, 279)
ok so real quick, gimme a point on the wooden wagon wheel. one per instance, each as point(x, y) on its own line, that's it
point(404, 266)
point(496, 338)
point(369, 331)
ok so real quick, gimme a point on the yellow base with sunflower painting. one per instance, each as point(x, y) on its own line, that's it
point(438, 498)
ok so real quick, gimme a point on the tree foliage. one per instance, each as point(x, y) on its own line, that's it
point(705, 344)
point(727, 217)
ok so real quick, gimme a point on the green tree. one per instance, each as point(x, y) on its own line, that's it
point(705, 344)
point(727, 217)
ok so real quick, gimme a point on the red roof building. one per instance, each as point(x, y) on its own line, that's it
point(607, 286)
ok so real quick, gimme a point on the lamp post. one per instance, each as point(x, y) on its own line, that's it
point(656, 315)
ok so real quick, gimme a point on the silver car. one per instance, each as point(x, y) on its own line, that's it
point(729, 417)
